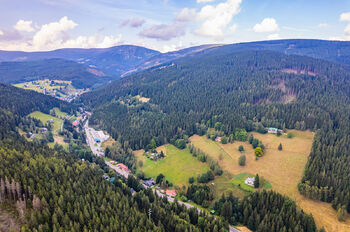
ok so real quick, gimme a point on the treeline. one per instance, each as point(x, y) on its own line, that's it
point(264, 212)
point(205, 158)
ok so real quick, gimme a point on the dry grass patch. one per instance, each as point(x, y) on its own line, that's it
point(108, 143)
point(283, 169)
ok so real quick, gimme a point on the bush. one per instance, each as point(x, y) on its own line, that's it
point(191, 180)
point(290, 135)
point(280, 147)
point(180, 143)
point(241, 160)
point(240, 148)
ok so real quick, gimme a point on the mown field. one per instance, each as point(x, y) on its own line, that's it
point(177, 166)
point(57, 124)
point(283, 169)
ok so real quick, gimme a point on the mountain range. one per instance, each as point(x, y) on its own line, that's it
point(95, 67)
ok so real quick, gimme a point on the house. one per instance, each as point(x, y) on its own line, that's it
point(105, 176)
point(171, 193)
point(75, 123)
point(51, 120)
point(123, 167)
point(149, 183)
point(218, 139)
point(43, 130)
point(271, 130)
point(250, 181)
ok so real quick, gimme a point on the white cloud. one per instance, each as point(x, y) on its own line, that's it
point(134, 22)
point(55, 35)
point(202, 1)
point(347, 30)
point(233, 28)
point(186, 15)
point(217, 18)
point(345, 17)
point(1, 33)
point(267, 25)
point(274, 37)
point(164, 31)
point(22, 25)
point(51, 35)
point(322, 25)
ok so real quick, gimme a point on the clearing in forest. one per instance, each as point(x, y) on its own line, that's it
point(177, 166)
point(283, 169)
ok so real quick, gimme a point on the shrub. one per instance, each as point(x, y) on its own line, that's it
point(241, 160)
point(240, 148)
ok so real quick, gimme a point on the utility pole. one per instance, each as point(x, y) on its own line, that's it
point(149, 213)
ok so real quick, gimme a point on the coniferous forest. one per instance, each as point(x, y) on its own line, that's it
point(218, 93)
point(241, 90)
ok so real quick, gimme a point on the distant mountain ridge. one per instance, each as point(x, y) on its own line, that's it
point(99, 65)
point(111, 61)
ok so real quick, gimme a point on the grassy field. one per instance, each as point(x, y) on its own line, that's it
point(57, 124)
point(46, 117)
point(239, 179)
point(59, 113)
point(283, 169)
point(177, 166)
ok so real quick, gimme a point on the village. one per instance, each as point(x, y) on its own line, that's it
point(63, 90)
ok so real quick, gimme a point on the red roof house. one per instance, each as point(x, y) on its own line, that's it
point(171, 193)
point(123, 166)
point(75, 123)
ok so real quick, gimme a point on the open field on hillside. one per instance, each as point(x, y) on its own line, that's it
point(283, 169)
point(177, 166)
point(59, 113)
point(46, 117)
point(57, 124)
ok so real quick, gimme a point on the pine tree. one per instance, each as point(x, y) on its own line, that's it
point(256, 181)
point(280, 147)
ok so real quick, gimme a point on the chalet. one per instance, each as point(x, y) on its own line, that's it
point(123, 167)
point(149, 183)
point(171, 193)
point(250, 181)
point(75, 123)
point(271, 130)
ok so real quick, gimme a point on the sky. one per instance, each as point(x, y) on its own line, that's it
point(166, 25)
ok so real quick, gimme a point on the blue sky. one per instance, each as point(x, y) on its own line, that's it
point(166, 25)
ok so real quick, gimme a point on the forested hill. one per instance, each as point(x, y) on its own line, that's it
point(337, 51)
point(248, 89)
point(53, 69)
point(111, 61)
point(52, 190)
point(22, 102)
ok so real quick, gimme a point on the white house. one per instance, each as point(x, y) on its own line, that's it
point(250, 181)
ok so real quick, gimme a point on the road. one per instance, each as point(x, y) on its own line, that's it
point(94, 149)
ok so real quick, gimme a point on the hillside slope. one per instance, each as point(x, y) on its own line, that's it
point(239, 90)
point(111, 61)
point(53, 69)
